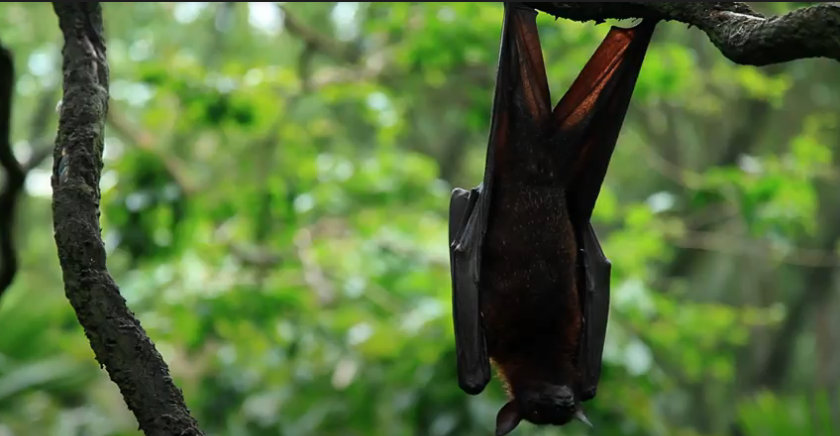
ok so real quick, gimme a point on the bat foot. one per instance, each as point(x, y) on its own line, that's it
point(523, 7)
point(579, 415)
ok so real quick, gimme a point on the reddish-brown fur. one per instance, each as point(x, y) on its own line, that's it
point(529, 273)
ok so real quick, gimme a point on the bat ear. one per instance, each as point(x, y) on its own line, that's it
point(507, 419)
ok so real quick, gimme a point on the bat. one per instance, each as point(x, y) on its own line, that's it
point(530, 282)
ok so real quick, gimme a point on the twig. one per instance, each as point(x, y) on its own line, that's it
point(41, 153)
point(734, 244)
point(741, 34)
point(317, 41)
point(118, 340)
point(340, 76)
point(312, 273)
point(256, 256)
point(247, 254)
point(176, 168)
point(681, 176)
point(219, 28)
point(413, 255)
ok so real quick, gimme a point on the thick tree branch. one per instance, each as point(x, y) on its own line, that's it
point(741, 34)
point(15, 175)
point(118, 340)
point(15, 171)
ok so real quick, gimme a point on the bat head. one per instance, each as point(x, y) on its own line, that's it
point(545, 404)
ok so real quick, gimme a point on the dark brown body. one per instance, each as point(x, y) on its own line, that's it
point(532, 314)
point(530, 281)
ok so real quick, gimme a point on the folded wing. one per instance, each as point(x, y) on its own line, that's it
point(521, 97)
point(589, 118)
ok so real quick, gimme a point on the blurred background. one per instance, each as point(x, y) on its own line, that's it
point(275, 199)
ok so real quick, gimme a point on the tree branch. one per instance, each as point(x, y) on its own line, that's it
point(15, 175)
point(16, 171)
point(819, 286)
point(319, 42)
point(728, 243)
point(118, 340)
point(741, 34)
point(176, 168)
point(313, 275)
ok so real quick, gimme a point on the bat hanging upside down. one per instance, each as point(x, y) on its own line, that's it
point(530, 281)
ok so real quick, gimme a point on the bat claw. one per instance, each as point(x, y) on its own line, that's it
point(582, 418)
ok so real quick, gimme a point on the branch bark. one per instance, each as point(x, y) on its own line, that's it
point(116, 336)
point(741, 34)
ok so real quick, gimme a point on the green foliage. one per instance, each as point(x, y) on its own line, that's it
point(275, 215)
point(767, 414)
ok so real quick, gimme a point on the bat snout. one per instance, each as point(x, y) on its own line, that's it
point(548, 404)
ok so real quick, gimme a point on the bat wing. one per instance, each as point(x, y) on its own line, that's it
point(592, 111)
point(596, 310)
point(464, 261)
point(521, 94)
point(591, 114)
